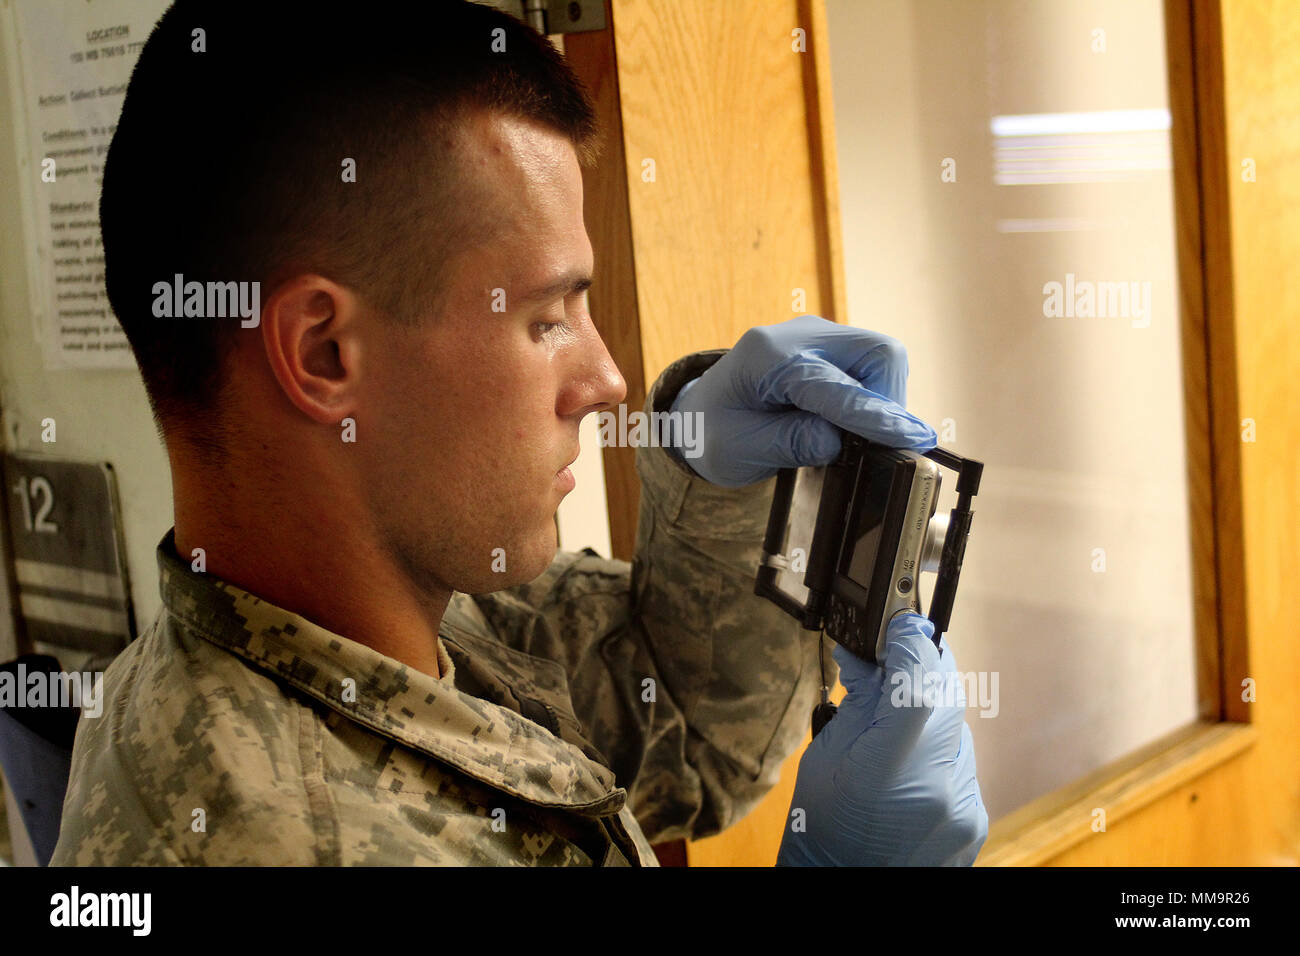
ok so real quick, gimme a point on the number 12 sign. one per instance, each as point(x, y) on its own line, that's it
point(69, 557)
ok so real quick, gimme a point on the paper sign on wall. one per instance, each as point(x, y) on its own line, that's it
point(74, 59)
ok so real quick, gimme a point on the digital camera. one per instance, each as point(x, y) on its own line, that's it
point(846, 544)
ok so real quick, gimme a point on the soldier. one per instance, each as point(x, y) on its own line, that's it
point(369, 651)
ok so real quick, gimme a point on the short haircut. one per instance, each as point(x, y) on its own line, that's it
point(227, 164)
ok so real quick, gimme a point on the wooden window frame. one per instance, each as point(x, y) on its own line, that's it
point(1047, 827)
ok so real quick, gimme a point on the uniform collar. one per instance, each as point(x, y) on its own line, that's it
point(479, 738)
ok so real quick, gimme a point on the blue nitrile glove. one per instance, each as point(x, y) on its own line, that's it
point(891, 779)
point(774, 400)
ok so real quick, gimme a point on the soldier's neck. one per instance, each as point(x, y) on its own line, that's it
point(304, 550)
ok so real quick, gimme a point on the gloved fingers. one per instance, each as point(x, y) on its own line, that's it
point(979, 826)
point(972, 823)
point(854, 671)
point(958, 840)
point(901, 713)
point(751, 445)
point(956, 806)
point(876, 360)
point(945, 689)
point(810, 382)
point(795, 439)
point(948, 747)
point(965, 784)
point(856, 674)
point(970, 820)
point(974, 815)
point(963, 767)
point(948, 683)
point(904, 627)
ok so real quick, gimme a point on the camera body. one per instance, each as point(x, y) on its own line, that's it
point(846, 544)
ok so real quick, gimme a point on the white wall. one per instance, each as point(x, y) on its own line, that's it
point(101, 415)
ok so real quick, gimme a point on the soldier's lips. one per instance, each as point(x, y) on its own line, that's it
point(564, 479)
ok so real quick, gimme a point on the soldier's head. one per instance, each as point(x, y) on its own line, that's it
point(404, 185)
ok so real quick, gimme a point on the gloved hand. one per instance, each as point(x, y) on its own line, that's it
point(774, 400)
point(891, 779)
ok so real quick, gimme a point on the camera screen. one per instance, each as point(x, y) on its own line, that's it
point(874, 487)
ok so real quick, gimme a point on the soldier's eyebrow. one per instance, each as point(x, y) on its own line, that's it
point(571, 283)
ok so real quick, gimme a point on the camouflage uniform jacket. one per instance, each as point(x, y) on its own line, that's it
point(599, 706)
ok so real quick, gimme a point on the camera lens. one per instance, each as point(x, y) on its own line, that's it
point(935, 535)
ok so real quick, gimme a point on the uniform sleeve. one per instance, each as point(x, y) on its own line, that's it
point(694, 689)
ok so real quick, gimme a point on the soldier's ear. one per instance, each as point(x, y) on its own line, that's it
point(310, 336)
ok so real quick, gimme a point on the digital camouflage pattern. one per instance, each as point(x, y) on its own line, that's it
point(237, 733)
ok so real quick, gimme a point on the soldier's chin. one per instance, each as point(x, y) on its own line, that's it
point(520, 563)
